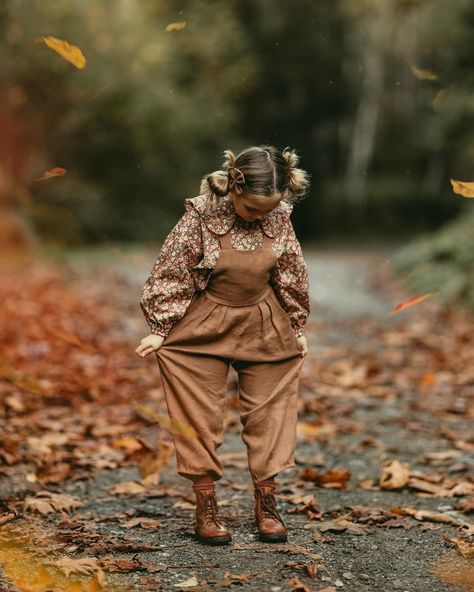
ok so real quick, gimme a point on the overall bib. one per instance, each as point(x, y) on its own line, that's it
point(237, 320)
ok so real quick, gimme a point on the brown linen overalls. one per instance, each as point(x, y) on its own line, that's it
point(237, 320)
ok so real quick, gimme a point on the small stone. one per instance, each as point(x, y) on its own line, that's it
point(338, 584)
point(347, 575)
point(397, 584)
point(275, 588)
point(364, 577)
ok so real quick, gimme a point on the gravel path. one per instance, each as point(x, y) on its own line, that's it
point(401, 556)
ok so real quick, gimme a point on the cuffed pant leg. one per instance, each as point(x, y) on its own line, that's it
point(268, 393)
point(195, 389)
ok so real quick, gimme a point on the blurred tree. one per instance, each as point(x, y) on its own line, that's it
point(345, 82)
point(148, 116)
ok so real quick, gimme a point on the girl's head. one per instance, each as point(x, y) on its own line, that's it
point(256, 180)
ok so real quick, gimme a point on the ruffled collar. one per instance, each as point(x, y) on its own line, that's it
point(221, 219)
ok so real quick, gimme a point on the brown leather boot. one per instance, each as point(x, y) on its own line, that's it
point(269, 522)
point(209, 527)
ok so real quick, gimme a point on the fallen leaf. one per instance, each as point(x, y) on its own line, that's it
point(465, 547)
point(85, 565)
point(46, 502)
point(394, 475)
point(187, 583)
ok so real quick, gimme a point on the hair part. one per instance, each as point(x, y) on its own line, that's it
point(266, 171)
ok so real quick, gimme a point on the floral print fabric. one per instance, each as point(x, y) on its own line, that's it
point(190, 252)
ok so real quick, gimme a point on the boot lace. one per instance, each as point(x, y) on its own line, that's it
point(212, 511)
point(269, 508)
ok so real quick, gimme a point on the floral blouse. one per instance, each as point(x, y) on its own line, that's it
point(190, 252)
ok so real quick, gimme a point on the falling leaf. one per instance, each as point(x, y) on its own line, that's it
point(423, 74)
point(466, 189)
point(175, 26)
point(69, 52)
point(176, 427)
point(56, 172)
point(411, 302)
point(70, 338)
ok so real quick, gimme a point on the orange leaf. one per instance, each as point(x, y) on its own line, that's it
point(175, 26)
point(411, 302)
point(56, 172)
point(70, 53)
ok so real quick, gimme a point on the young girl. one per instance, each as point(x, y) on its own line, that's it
point(230, 287)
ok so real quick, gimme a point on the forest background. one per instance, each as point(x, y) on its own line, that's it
point(375, 96)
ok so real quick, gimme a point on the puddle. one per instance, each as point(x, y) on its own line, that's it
point(453, 569)
point(29, 564)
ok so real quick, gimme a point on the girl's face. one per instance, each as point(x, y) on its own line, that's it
point(254, 208)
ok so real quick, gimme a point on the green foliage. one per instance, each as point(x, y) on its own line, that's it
point(442, 261)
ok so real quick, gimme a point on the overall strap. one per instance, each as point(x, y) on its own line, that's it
point(225, 241)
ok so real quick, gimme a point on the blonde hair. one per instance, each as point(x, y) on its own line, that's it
point(257, 171)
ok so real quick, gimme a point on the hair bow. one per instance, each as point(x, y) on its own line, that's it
point(236, 179)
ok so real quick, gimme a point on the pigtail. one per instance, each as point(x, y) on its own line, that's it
point(218, 184)
point(298, 180)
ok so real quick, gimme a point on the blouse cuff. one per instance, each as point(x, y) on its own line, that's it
point(299, 331)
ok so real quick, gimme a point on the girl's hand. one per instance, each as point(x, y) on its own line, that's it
point(304, 344)
point(148, 344)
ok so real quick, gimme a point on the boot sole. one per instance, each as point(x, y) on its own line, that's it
point(273, 538)
point(222, 540)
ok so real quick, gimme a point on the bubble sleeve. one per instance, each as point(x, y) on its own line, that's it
point(170, 287)
point(290, 282)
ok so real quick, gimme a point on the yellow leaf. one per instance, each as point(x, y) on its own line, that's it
point(56, 172)
point(176, 427)
point(423, 74)
point(175, 26)
point(69, 52)
point(463, 188)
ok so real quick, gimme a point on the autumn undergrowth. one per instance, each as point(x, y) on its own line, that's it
point(441, 261)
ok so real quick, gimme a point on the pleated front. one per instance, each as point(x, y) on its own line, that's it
point(238, 316)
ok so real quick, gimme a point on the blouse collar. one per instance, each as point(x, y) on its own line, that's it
point(222, 218)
